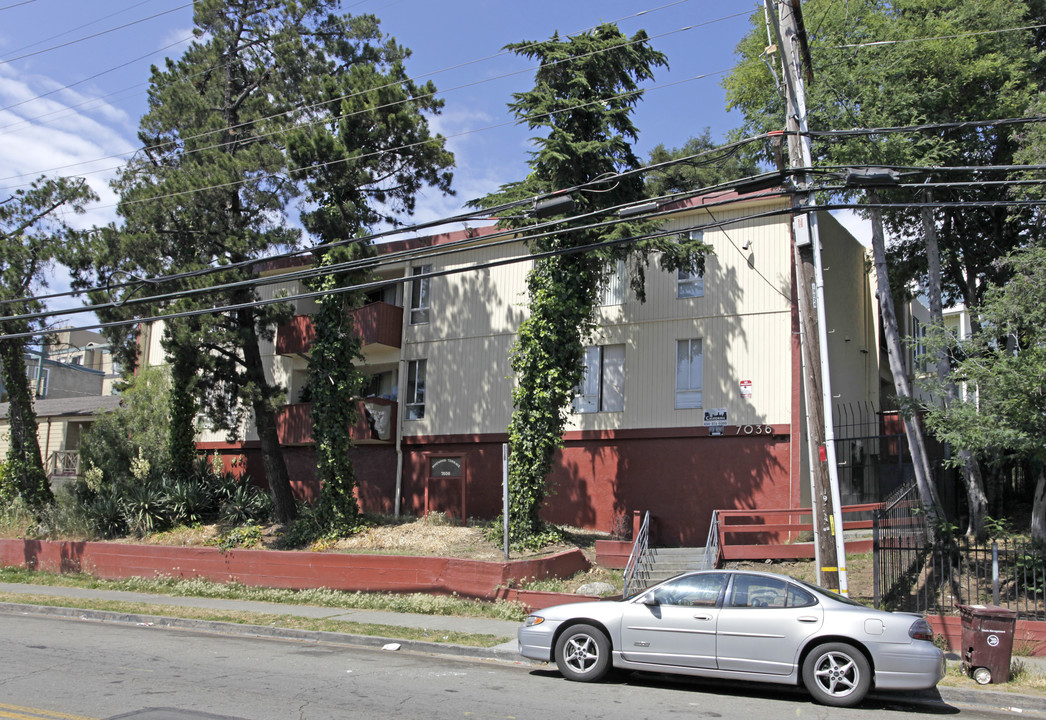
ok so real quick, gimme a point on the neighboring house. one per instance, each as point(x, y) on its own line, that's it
point(72, 376)
point(722, 349)
point(87, 349)
point(61, 423)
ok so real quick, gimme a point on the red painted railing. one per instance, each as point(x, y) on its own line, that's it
point(294, 423)
point(766, 534)
point(377, 324)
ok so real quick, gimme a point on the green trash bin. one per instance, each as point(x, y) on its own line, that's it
point(987, 642)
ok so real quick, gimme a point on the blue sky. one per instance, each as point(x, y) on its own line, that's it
point(73, 109)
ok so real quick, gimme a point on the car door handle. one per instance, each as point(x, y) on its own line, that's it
point(702, 617)
point(807, 619)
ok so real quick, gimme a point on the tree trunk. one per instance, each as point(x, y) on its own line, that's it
point(916, 443)
point(262, 396)
point(1038, 510)
point(977, 501)
point(23, 454)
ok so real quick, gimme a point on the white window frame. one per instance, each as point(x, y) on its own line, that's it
point(602, 387)
point(414, 396)
point(420, 289)
point(689, 379)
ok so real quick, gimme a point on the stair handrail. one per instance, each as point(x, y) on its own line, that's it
point(712, 543)
point(639, 549)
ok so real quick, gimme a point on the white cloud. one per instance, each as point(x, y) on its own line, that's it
point(66, 133)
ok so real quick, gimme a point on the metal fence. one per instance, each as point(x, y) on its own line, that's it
point(873, 458)
point(916, 575)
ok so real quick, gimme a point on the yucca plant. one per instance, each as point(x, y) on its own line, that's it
point(246, 503)
point(145, 508)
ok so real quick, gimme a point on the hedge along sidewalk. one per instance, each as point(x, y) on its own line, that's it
point(487, 631)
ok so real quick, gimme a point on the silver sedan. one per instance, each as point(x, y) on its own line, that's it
point(741, 625)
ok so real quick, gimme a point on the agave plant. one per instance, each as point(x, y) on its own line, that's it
point(187, 500)
point(246, 503)
point(145, 508)
point(105, 515)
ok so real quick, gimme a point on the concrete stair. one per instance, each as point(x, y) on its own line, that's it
point(658, 564)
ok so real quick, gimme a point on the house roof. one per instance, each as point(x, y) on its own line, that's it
point(70, 407)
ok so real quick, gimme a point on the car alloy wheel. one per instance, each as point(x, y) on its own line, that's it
point(837, 674)
point(583, 653)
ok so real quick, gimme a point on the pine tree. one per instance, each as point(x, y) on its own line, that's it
point(583, 97)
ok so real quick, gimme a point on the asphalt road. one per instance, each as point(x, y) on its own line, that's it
point(64, 669)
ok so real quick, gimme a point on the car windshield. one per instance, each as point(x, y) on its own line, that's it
point(835, 596)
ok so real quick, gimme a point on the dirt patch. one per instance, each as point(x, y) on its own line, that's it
point(432, 537)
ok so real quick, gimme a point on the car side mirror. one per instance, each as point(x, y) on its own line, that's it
point(650, 599)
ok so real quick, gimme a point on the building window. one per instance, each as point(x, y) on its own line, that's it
point(613, 292)
point(415, 398)
point(688, 373)
point(419, 296)
point(602, 388)
point(689, 285)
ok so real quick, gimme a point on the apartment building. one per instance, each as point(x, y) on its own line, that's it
point(691, 401)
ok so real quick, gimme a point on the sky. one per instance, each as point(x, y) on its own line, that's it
point(74, 79)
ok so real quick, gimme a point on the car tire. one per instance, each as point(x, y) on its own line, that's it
point(837, 674)
point(583, 653)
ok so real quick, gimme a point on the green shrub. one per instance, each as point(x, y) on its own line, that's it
point(188, 501)
point(105, 515)
point(246, 503)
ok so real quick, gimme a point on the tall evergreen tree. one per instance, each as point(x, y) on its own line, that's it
point(363, 165)
point(213, 190)
point(583, 97)
point(33, 232)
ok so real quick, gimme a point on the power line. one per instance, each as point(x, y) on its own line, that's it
point(927, 39)
point(161, 147)
point(17, 4)
point(385, 283)
point(78, 27)
point(717, 154)
point(72, 85)
point(98, 34)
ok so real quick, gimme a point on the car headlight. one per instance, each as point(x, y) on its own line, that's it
point(921, 630)
point(533, 620)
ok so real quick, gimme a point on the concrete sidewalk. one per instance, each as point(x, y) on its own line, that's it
point(986, 699)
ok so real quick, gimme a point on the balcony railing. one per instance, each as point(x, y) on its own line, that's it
point(378, 324)
point(376, 423)
point(63, 463)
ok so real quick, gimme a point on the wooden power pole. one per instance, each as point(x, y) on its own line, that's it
point(785, 29)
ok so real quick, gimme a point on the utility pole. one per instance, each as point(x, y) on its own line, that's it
point(827, 510)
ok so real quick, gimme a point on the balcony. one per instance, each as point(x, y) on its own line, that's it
point(376, 424)
point(377, 324)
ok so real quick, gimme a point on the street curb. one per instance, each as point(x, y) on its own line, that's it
point(263, 631)
point(982, 699)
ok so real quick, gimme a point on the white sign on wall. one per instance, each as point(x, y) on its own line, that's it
point(715, 420)
point(746, 388)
